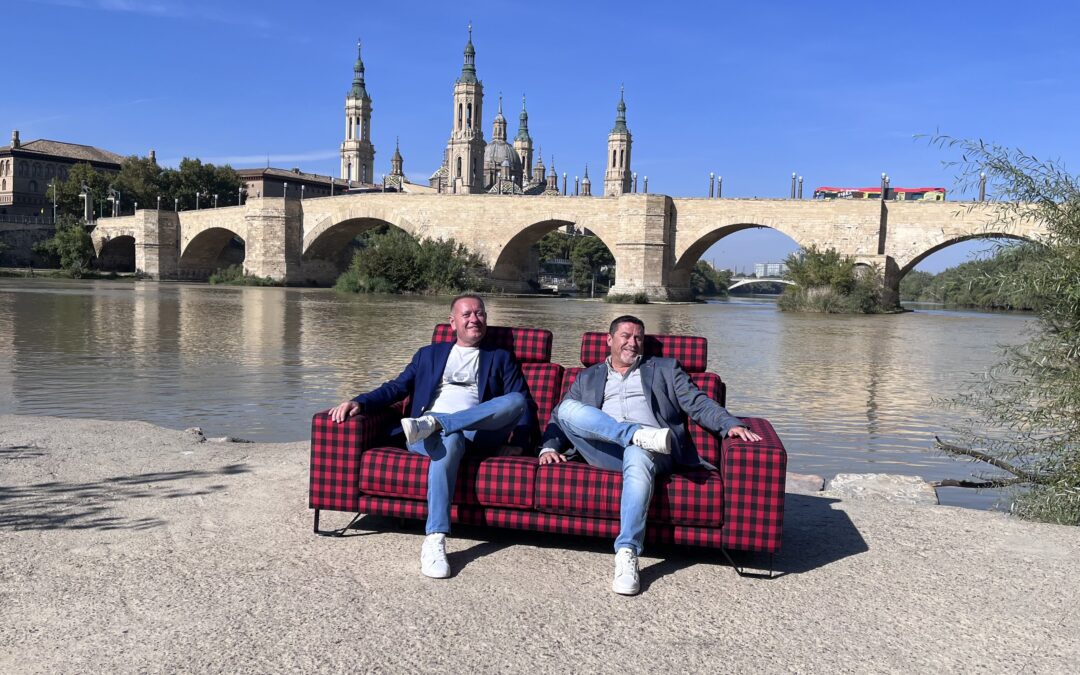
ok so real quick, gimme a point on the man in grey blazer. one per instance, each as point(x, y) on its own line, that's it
point(626, 414)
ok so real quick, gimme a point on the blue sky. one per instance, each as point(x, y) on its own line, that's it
point(751, 91)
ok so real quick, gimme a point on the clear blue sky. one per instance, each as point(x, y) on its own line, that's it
point(752, 91)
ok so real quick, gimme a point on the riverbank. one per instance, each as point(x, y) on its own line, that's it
point(127, 547)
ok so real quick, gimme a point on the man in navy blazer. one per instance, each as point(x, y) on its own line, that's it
point(627, 414)
point(465, 395)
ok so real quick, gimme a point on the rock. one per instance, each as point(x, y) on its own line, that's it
point(229, 439)
point(804, 484)
point(887, 487)
point(197, 433)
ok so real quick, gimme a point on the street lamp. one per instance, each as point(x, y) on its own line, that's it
point(196, 200)
point(285, 190)
point(302, 193)
point(800, 187)
point(635, 181)
point(88, 203)
point(176, 204)
point(719, 186)
point(712, 178)
point(577, 186)
point(240, 196)
point(982, 191)
point(793, 185)
point(564, 183)
point(159, 202)
point(215, 201)
point(646, 190)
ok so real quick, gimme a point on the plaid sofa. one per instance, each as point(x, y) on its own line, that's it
point(739, 507)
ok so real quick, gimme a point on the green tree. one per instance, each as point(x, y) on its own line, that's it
point(1026, 410)
point(707, 280)
point(81, 177)
point(140, 181)
point(389, 260)
point(193, 177)
point(70, 246)
point(831, 283)
point(592, 263)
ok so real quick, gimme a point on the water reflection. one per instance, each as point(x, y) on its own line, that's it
point(845, 393)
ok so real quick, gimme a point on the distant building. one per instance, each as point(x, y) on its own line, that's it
point(764, 270)
point(272, 182)
point(899, 194)
point(26, 169)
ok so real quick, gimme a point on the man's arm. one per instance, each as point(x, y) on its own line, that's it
point(705, 411)
point(386, 394)
point(554, 439)
point(514, 381)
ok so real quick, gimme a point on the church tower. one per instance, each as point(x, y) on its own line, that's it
point(465, 154)
point(617, 176)
point(357, 152)
point(523, 145)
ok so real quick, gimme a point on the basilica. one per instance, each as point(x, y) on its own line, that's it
point(470, 164)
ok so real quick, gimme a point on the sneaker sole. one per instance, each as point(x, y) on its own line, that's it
point(625, 590)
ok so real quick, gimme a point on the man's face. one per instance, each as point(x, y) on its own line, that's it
point(626, 344)
point(468, 318)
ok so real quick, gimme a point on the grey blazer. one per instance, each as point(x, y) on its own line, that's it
point(672, 394)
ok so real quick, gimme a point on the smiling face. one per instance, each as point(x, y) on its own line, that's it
point(626, 343)
point(468, 318)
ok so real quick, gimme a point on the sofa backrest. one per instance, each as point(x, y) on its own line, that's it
point(691, 351)
point(528, 345)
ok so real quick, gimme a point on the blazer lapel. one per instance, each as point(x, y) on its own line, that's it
point(486, 357)
point(647, 372)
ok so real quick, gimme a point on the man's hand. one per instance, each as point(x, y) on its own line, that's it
point(743, 433)
point(345, 410)
point(552, 457)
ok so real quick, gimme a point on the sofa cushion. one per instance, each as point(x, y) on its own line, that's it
point(528, 345)
point(545, 385)
point(577, 489)
point(691, 351)
point(492, 481)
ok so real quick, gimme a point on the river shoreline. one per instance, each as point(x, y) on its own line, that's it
point(126, 547)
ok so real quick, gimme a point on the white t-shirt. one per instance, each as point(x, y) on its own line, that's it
point(458, 389)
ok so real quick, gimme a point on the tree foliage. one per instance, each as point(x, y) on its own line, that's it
point(1025, 412)
point(71, 246)
point(709, 281)
point(589, 257)
point(975, 283)
point(388, 260)
point(831, 283)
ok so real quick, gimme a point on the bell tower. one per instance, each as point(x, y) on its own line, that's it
point(617, 175)
point(357, 152)
point(465, 156)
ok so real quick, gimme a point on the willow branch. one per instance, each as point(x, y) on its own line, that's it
point(983, 457)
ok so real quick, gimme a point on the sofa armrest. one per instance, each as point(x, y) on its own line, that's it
point(335, 456)
point(754, 478)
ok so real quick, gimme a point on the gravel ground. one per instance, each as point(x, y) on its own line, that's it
point(125, 547)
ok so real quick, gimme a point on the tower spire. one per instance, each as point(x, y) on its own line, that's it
point(620, 116)
point(468, 69)
point(358, 89)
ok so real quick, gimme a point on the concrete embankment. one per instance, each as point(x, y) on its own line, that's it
point(125, 547)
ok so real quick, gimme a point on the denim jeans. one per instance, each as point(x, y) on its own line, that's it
point(484, 425)
point(605, 443)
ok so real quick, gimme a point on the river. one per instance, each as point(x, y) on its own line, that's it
point(845, 393)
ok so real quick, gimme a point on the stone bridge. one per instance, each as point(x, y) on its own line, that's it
point(655, 239)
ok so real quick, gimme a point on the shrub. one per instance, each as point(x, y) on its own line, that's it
point(234, 275)
point(390, 261)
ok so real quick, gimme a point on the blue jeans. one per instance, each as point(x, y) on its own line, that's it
point(484, 425)
point(605, 443)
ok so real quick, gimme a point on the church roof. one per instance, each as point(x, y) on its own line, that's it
point(498, 151)
point(82, 153)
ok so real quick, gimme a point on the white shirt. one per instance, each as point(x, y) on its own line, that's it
point(458, 389)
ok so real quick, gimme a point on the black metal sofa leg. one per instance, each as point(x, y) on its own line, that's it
point(333, 533)
point(741, 571)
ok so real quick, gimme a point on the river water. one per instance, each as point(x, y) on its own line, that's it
point(845, 393)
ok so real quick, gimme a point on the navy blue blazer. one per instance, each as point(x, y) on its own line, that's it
point(498, 373)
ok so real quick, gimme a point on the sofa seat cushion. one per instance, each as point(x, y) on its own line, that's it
point(577, 489)
point(494, 481)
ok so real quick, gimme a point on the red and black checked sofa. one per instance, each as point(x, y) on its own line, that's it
point(739, 507)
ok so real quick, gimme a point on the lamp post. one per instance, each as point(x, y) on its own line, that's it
point(88, 203)
point(215, 201)
point(982, 191)
point(577, 187)
point(719, 186)
point(646, 185)
point(793, 185)
point(712, 177)
point(159, 202)
point(176, 204)
point(240, 196)
point(196, 200)
point(285, 190)
point(635, 181)
point(883, 177)
point(800, 187)
point(564, 183)
point(348, 175)
point(302, 192)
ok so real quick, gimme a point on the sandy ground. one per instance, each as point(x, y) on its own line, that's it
point(126, 547)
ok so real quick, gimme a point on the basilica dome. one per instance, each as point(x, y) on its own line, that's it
point(498, 151)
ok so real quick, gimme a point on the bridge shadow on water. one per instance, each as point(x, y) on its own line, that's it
point(93, 504)
point(815, 535)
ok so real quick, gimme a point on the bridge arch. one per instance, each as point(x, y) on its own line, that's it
point(952, 241)
point(516, 264)
point(117, 254)
point(328, 251)
point(684, 263)
point(211, 249)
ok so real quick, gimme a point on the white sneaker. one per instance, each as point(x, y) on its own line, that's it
point(433, 561)
point(418, 428)
point(653, 440)
point(626, 573)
